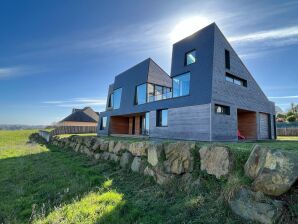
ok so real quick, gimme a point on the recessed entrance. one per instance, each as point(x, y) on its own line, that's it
point(247, 124)
point(136, 124)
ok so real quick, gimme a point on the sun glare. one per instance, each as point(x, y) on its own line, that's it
point(187, 27)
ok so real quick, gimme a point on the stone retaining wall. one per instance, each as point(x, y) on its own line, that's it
point(163, 161)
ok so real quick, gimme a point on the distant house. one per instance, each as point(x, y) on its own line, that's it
point(81, 117)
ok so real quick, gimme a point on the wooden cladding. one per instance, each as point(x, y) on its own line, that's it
point(119, 125)
point(247, 124)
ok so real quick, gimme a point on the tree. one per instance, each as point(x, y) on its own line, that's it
point(280, 116)
point(291, 118)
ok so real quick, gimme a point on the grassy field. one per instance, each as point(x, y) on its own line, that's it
point(44, 184)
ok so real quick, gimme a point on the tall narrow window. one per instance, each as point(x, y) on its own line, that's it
point(190, 57)
point(110, 101)
point(140, 95)
point(181, 85)
point(145, 130)
point(227, 59)
point(158, 92)
point(162, 118)
point(117, 98)
point(103, 123)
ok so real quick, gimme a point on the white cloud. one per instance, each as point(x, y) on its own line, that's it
point(284, 36)
point(283, 97)
point(9, 72)
point(78, 102)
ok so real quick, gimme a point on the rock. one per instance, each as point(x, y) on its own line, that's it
point(154, 153)
point(114, 157)
point(255, 162)
point(77, 148)
point(139, 148)
point(179, 158)
point(216, 160)
point(111, 145)
point(126, 160)
point(97, 156)
point(105, 155)
point(120, 147)
point(161, 177)
point(96, 146)
point(273, 171)
point(137, 165)
point(254, 206)
point(104, 145)
point(149, 172)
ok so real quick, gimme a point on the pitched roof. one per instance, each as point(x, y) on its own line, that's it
point(83, 115)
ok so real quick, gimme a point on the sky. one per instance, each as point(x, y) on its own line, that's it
point(56, 55)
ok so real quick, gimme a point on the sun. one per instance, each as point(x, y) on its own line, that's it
point(187, 27)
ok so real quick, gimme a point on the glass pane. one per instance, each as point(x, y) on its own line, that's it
point(190, 57)
point(117, 98)
point(229, 79)
point(158, 92)
point(111, 100)
point(146, 124)
point(238, 82)
point(103, 122)
point(164, 118)
point(150, 96)
point(181, 85)
point(141, 94)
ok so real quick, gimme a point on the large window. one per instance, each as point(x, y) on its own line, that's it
point(190, 57)
point(221, 109)
point(181, 85)
point(227, 59)
point(140, 96)
point(117, 98)
point(236, 80)
point(103, 123)
point(162, 118)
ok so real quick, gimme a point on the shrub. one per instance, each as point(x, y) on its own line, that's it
point(290, 113)
point(281, 116)
point(291, 118)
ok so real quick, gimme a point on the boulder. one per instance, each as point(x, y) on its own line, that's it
point(114, 157)
point(105, 155)
point(274, 171)
point(104, 145)
point(155, 151)
point(138, 165)
point(96, 145)
point(125, 160)
point(161, 177)
point(111, 145)
point(97, 156)
point(77, 148)
point(139, 148)
point(216, 160)
point(120, 147)
point(254, 206)
point(149, 172)
point(179, 157)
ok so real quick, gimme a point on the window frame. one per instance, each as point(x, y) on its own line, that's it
point(226, 110)
point(185, 57)
point(101, 123)
point(227, 59)
point(235, 79)
point(188, 87)
point(120, 88)
point(159, 118)
point(136, 96)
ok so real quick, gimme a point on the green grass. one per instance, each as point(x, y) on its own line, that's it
point(44, 184)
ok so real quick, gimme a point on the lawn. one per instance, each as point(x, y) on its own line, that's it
point(44, 184)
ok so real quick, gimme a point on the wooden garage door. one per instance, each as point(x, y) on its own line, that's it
point(264, 126)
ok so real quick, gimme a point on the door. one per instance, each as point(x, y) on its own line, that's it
point(264, 126)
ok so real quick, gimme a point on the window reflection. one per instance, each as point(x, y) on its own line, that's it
point(181, 85)
point(140, 97)
point(190, 57)
point(117, 98)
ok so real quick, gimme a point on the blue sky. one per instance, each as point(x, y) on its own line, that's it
point(55, 55)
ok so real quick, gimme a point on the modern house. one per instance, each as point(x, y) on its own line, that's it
point(81, 117)
point(210, 95)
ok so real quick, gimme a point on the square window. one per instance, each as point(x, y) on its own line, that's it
point(190, 57)
point(162, 118)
